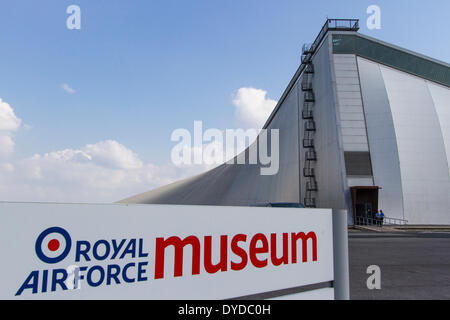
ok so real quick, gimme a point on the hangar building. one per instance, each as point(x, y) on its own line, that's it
point(363, 125)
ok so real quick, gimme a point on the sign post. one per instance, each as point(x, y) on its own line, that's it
point(340, 245)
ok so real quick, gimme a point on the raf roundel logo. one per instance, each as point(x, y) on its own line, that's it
point(53, 245)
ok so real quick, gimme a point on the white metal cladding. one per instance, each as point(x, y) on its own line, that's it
point(441, 98)
point(407, 120)
point(423, 161)
point(382, 140)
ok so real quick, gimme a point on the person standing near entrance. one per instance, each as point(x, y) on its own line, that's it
point(381, 215)
point(377, 218)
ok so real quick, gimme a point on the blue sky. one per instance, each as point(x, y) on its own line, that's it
point(141, 69)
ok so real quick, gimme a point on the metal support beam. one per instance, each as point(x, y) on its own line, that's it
point(340, 256)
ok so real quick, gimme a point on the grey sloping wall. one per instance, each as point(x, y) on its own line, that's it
point(407, 139)
point(382, 139)
point(330, 168)
point(242, 184)
point(421, 148)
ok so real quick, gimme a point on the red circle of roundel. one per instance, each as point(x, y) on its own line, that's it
point(53, 245)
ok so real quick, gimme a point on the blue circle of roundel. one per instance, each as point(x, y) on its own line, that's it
point(41, 237)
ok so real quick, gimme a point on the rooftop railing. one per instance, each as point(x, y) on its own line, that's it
point(331, 25)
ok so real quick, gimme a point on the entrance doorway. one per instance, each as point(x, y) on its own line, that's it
point(365, 204)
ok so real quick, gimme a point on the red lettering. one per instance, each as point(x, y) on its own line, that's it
point(258, 245)
point(239, 252)
point(222, 265)
point(273, 249)
point(254, 250)
point(179, 245)
point(301, 235)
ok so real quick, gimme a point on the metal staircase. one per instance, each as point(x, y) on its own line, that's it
point(309, 128)
point(309, 125)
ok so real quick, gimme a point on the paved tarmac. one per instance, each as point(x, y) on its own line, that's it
point(414, 265)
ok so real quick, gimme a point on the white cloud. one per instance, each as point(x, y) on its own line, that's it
point(252, 107)
point(8, 120)
point(6, 167)
point(9, 123)
point(105, 171)
point(67, 88)
point(96, 172)
point(6, 144)
point(112, 154)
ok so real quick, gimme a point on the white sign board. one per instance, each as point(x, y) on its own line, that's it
point(89, 251)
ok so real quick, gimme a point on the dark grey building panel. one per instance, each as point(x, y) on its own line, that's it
point(387, 55)
point(357, 163)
